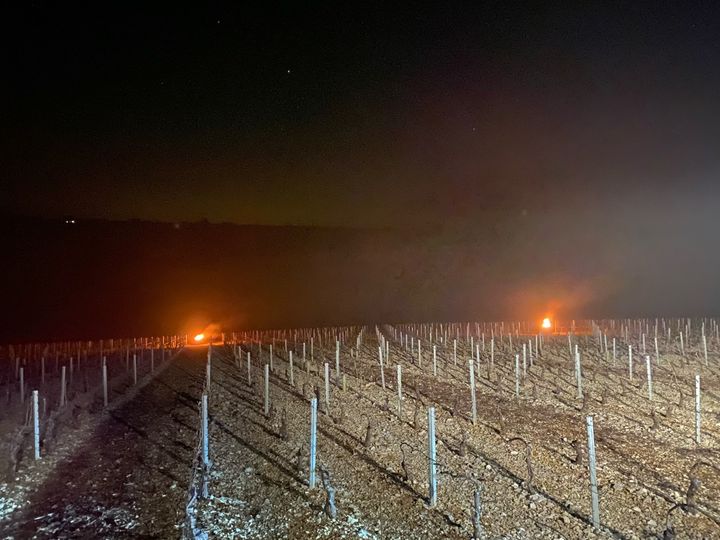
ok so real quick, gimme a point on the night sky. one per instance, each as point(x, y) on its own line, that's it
point(374, 115)
point(529, 157)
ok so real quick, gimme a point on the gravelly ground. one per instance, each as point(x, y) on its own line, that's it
point(259, 489)
point(127, 478)
point(126, 474)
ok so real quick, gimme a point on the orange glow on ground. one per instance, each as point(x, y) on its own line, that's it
point(199, 337)
point(546, 323)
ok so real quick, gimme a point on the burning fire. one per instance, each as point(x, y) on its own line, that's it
point(546, 323)
point(199, 337)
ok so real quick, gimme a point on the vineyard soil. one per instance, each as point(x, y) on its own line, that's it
point(128, 477)
point(645, 449)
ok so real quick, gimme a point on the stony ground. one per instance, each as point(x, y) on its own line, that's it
point(258, 485)
point(123, 474)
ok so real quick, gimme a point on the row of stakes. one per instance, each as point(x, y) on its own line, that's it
point(63, 396)
point(431, 454)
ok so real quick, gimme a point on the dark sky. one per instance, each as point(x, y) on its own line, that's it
point(487, 160)
point(372, 115)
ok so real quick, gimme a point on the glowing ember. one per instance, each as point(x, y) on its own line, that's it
point(546, 323)
point(199, 337)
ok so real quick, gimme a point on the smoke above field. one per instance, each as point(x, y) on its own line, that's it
point(452, 162)
point(624, 257)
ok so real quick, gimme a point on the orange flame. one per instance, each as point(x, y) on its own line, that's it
point(546, 323)
point(199, 337)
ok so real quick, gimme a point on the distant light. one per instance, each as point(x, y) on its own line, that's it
point(69, 221)
point(546, 323)
point(199, 337)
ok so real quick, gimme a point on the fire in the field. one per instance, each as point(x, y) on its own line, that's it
point(199, 337)
point(546, 323)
